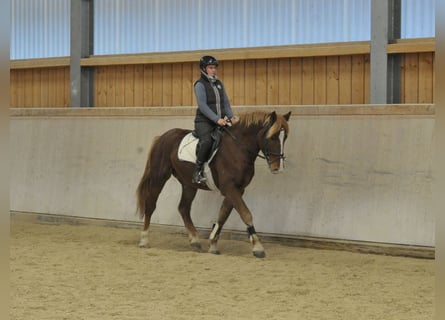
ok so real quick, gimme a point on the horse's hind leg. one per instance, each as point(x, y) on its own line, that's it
point(149, 208)
point(188, 194)
point(224, 213)
point(148, 192)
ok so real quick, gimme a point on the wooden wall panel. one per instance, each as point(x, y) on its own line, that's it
point(39, 87)
point(280, 81)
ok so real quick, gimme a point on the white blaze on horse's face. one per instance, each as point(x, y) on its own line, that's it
point(281, 138)
point(275, 151)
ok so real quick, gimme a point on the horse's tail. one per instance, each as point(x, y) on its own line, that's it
point(143, 189)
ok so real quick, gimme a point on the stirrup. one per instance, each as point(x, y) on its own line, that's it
point(199, 178)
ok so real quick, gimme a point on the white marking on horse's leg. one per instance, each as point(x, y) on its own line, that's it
point(144, 239)
point(257, 247)
point(214, 232)
point(213, 237)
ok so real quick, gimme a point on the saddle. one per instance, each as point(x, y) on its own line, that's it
point(187, 152)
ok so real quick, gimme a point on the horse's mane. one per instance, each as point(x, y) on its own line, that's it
point(262, 118)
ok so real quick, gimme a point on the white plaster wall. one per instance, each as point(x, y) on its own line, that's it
point(347, 177)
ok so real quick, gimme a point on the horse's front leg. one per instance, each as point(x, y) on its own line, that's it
point(224, 213)
point(238, 203)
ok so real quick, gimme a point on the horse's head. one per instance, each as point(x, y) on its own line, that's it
point(272, 138)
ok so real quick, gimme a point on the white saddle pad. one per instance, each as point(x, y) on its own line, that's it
point(187, 152)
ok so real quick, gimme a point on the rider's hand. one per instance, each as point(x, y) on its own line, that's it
point(234, 120)
point(221, 122)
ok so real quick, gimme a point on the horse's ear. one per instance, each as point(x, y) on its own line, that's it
point(287, 116)
point(273, 116)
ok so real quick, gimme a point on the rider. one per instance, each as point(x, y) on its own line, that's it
point(213, 110)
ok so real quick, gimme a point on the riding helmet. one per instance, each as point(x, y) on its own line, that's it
point(207, 61)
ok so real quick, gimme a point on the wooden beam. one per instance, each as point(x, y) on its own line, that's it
point(40, 63)
point(295, 51)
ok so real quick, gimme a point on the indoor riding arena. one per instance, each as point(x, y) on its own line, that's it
point(347, 225)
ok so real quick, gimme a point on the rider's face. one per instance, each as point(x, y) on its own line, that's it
point(211, 70)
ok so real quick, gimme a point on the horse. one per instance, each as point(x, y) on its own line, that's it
point(232, 169)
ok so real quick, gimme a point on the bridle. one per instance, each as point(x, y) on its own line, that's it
point(266, 153)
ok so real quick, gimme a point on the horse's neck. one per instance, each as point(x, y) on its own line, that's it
point(247, 137)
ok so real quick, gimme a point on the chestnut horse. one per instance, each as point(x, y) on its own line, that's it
point(232, 169)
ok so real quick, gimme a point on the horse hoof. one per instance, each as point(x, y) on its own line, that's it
point(259, 254)
point(214, 252)
point(196, 246)
point(143, 244)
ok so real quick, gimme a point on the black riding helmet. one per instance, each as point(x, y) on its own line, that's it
point(207, 61)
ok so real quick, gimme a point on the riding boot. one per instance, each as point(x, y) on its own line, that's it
point(198, 175)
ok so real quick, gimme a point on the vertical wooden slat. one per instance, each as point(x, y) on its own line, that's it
point(167, 84)
point(239, 83)
point(157, 85)
point(176, 81)
point(120, 86)
point(308, 80)
point(402, 79)
point(44, 87)
point(60, 87)
point(332, 81)
point(411, 78)
point(284, 81)
point(13, 88)
point(196, 73)
point(295, 88)
point(52, 93)
point(296, 81)
point(425, 77)
point(227, 70)
point(345, 81)
point(261, 82)
point(272, 81)
point(20, 83)
point(320, 80)
point(148, 85)
point(187, 84)
point(366, 79)
point(129, 86)
point(100, 85)
point(110, 81)
point(250, 75)
point(138, 86)
point(434, 78)
point(27, 87)
point(36, 78)
point(67, 87)
point(357, 74)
